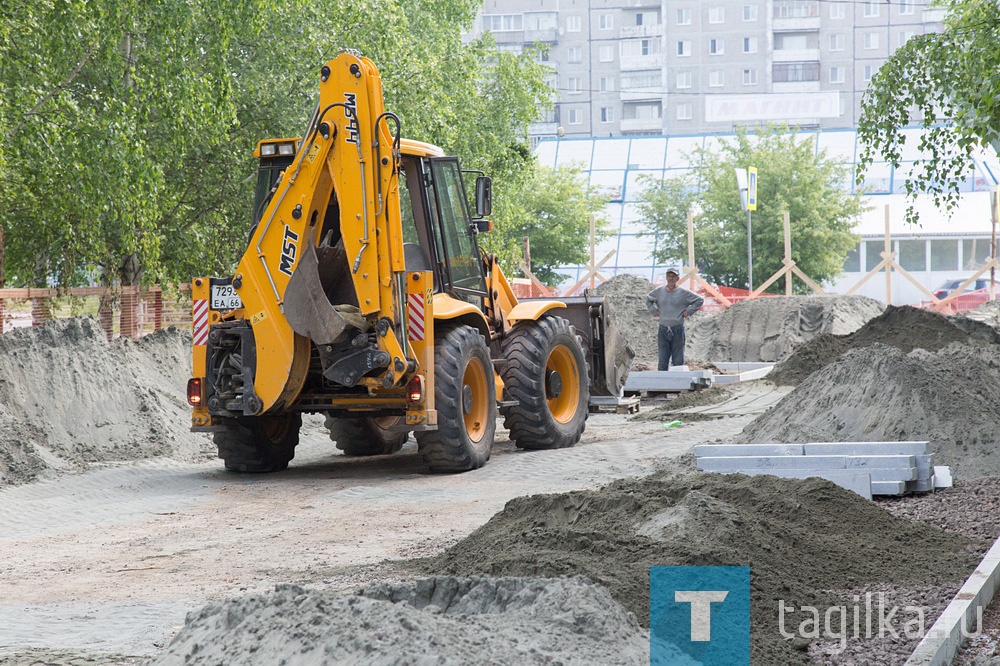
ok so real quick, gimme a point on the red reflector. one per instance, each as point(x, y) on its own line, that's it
point(415, 389)
point(194, 391)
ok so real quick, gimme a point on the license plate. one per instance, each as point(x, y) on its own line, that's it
point(224, 297)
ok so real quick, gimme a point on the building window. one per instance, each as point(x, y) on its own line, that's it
point(606, 22)
point(607, 114)
point(683, 17)
point(574, 24)
point(574, 54)
point(606, 84)
point(904, 36)
point(716, 47)
point(573, 86)
point(872, 9)
point(837, 42)
point(684, 111)
point(717, 15)
point(913, 255)
point(749, 45)
point(749, 77)
point(788, 72)
point(749, 12)
point(648, 111)
point(836, 75)
point(716, 78)
point(906, 6)
point(867, 72)
point(838, 10)
point(871, 40)
point(944, 255)
point(795, 9)
point(606, 53)
point(502, 22)
point(683, 48)
point(683, 80)
point(575, 117)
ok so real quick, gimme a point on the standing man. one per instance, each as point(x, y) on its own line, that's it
point(672, 305)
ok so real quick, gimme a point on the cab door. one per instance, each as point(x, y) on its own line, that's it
point(455, 239)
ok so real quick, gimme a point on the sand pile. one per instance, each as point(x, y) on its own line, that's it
point(70, 398)
point(904, 327)
point(443, 620)
point(949, 397)
point(765, 329)
point(769, 329)
point(799, 537)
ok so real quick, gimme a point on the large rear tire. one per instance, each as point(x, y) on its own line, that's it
point(258, 444)
point(466, 401)
point(546, 373)
point(364, 435)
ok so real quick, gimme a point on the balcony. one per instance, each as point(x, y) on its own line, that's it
point(642, 31)
point(629, 63)
point(642, 94)
point(642, 125)
point(795, 86)
point(509, 37)
point(543, 35)
point(804, 24)
point(796, 55)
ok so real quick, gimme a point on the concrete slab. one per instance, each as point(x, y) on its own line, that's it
point(942, 476)
point(865, 448)
point(888, 487)
point(878, 461)
point(742, 463)
point(741, 375)
point(669, 380)
point(941, 644)
point(727, 450)
point(890, 474)
point(920, 485)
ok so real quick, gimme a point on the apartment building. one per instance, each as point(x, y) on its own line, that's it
point(654, 67)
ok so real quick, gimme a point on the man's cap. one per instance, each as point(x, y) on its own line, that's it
point(673, 269)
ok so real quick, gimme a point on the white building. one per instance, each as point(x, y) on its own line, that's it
point(940, 249)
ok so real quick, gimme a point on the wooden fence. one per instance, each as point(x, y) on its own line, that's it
point(122, 311)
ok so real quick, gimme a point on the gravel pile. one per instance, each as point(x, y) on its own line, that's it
point(807, 542)
point(441, 621)
point(764, 329)
point(903, 327)
point(949, 397)
point(69, 399)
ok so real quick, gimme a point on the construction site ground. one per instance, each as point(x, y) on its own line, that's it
point(121, 532)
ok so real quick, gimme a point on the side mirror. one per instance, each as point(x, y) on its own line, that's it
point(484, 196)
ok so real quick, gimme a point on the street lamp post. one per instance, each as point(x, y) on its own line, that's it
point(746, 181)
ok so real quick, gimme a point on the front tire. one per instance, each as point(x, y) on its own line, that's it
point(365, 436)
point(546, 373)
point(466, 400)
point(259, 444)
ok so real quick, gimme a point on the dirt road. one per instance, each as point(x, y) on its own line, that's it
point(108, 562)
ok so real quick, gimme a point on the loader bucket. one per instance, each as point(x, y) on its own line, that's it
point(610, 355)
point(306, 303)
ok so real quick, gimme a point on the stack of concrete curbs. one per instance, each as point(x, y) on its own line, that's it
point(867, 468)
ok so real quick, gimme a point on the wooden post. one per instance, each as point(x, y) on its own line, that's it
point(593, 249)
point(788, 253)
point(690, 229)
point(888, 267)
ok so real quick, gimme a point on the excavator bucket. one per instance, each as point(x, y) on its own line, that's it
point(307, 304)
point(610, 356)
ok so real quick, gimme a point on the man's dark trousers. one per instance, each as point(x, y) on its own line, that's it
point(670, 344)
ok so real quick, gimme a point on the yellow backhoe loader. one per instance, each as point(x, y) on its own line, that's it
point(363, 295)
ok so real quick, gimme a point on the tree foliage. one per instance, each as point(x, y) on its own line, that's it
point(791, 177)
point(553, 209)
point(127, 127)
point(948, 83)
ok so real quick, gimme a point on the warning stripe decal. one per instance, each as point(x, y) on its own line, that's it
point(199, 322)
point(415, 316)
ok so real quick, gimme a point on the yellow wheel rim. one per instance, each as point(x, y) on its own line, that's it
point(563, 406)
point(473, 400)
